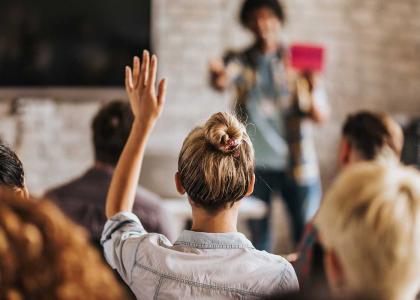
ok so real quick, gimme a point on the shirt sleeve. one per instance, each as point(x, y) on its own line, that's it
point(320, 98)
point(120, 240)
point(234, 67)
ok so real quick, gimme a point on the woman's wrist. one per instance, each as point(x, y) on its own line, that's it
point(143, 127)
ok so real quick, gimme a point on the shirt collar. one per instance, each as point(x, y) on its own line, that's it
point(205, 240)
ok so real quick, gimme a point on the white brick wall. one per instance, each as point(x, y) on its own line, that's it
point(373, 62)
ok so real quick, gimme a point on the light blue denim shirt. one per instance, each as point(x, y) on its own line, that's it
point(197, 266)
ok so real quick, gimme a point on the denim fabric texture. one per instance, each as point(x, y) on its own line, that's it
point(197, 266)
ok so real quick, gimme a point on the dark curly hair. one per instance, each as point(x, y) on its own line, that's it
point(43, 255)
point(250, 6)
point(111, 128)
point(11, 169)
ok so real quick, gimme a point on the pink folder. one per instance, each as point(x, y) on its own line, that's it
point(307, 57)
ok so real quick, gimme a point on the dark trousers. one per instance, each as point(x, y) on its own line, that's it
point(300, 200)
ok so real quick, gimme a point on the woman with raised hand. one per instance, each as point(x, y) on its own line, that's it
point(215, 170)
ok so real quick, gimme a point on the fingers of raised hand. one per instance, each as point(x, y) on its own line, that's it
point(161, 97)
point(144, 73)
point(128, 80)
point(152, 76)
point(136, 71)
point(142, 79)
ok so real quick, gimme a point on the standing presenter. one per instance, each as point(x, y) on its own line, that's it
point(280, 105)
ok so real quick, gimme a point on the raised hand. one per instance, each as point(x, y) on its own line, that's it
point(140, 84)
point(147, 105)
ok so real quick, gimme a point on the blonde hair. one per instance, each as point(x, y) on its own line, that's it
point(216, 162)
point(371, 219)
point(43, 255)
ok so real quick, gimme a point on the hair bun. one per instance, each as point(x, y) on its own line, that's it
point(224, 132)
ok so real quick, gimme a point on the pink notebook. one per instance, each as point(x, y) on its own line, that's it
point(307, 57)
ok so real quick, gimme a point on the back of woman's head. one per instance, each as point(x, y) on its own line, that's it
point(216, 163)
point(45, 256)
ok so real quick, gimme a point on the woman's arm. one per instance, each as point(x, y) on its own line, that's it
point(147, 107)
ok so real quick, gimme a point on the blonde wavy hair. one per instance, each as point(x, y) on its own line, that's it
point(43, 255)
point(371, 219)
point(216, 162)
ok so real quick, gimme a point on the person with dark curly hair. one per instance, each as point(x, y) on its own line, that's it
point(43, 255)
point(280, 104)
point(12, 175)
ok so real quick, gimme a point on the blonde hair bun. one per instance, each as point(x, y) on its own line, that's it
point(216, 162)
point(224, 132)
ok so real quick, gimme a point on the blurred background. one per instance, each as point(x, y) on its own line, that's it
point(57, 66)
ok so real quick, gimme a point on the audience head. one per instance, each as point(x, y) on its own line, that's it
point(369, 225)
point(111, 127)
point(370, 136)
point(263, 17)
point(12, 175)
point(45, 256)
point(216, 163)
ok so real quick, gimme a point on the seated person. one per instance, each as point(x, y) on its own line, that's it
point(365, 136)
point(369, 227)
point(370, 136)
point(12, 175)
point(45, 256)
point(215, 170)
point(83, 199)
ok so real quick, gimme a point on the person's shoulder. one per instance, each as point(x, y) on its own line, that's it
point(238, 54)
point(78, 189)
point(274, 263)
point(231, 56)
point(62, 190)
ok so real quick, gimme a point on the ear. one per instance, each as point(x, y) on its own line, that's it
point(251, 186)
point(334, 271)
point(344, 152)
point(22, 192)
point(178, 184)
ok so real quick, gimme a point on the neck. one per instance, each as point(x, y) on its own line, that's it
point(266, 46)
point(222, 221)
